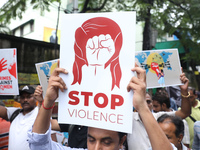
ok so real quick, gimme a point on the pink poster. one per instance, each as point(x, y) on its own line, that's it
point(98, 51)
point(8, 72)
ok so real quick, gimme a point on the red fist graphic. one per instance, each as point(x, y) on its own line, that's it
point(155, 67)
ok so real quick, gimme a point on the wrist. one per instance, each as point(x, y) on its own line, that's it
point(143, 111)
point(48, 106)
point(185, 94)
point(142, 108)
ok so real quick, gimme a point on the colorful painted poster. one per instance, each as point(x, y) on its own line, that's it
point(98, 50)
point(162, 67)
point(44, 70)
point(8, 72)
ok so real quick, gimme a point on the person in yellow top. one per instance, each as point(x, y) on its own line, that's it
point(195, 112)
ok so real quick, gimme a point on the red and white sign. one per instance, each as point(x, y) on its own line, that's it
point(8, 72)
point(98, 50)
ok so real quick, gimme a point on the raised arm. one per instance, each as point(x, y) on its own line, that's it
point(185, 110)
point(42, 121)
point(157, 138)
point(3, 112)
point(38, 95)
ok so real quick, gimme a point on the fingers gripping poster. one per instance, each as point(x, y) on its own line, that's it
point(162, 67)
point(8, 72)
point(98, 51)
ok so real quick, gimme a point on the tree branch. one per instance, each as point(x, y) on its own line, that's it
point(85, 8)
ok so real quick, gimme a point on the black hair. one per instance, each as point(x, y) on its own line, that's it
point(192, 89)
point(162, 98)
point(121, 134)
point(177, 121)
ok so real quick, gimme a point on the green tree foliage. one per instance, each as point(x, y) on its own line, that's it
point(16, 8)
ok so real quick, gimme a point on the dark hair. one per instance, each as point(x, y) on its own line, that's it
point(192, 89)
point(162, 97)
point(121, 134)
point(149, 94)
point(177, 121)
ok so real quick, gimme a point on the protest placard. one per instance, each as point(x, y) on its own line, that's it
point(8, 72)
point(98, 50)
point(162, 67)
point(44, 70)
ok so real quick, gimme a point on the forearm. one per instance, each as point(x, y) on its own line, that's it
point(54, 125)
point(157, 138)
point(185, 110)
point(3, 113)
point(42, 121)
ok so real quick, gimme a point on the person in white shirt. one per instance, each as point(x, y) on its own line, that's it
point(23, 121)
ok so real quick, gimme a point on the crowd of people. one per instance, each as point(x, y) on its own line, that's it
point(155, 124)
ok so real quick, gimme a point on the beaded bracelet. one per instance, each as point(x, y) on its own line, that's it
point(49, 107)
point(185, 96)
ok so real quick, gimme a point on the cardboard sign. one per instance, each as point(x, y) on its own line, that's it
point(98, 50)
point(162, 67)
point(8, 72)
point(44, 70)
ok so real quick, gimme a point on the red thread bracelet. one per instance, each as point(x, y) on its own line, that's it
point(49, 107)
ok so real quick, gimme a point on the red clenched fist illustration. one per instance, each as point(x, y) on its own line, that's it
point(3, 64)
point(99, 49)
point(155, 67)
point(97, 43)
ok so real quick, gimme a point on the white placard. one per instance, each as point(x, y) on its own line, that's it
point(8, 72)
point(98, 50)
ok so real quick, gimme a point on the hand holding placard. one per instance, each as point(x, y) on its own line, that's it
point(55, 83)
point(138, 85)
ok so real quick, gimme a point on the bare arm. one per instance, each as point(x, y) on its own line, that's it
point(54, 125)
point(157, 138)
point(3, 113)
point(42, 121)
point(185, 110)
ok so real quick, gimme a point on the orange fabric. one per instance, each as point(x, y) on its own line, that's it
point(16, 104)
point(4, 133)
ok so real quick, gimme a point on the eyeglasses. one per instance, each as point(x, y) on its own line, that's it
point(148, 101)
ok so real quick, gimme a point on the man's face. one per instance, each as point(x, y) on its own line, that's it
point(169, 129)
point(157, 106)
point(149, 102)
point(192, 96)
point(27, 101)
point(100, 139)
